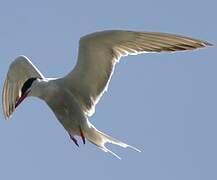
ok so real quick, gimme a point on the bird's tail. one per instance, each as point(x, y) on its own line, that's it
point(100, 139)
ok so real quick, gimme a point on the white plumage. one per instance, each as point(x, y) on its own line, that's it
point(73, 97)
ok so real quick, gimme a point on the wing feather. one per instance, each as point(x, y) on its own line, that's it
point(20, 70)
point(99, 52)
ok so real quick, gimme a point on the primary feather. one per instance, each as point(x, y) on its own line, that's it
point(99, 52)
point(20, 70)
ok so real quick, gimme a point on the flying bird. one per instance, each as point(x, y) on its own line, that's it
point(73, 97)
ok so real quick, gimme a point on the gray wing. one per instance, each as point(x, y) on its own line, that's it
point(20, 70)
point(99, 52)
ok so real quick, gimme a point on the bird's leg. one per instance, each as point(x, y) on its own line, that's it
point(82, 136)
point(74, 140)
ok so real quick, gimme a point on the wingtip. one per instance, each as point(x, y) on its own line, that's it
point(208, 44)
point(7, 117)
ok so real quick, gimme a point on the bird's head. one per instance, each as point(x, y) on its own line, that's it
point(26, 89)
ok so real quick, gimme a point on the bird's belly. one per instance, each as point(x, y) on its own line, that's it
point(68, 112)
point(64, 116)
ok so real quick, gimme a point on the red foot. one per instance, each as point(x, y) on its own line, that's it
point(74, 140)
point(82, 136)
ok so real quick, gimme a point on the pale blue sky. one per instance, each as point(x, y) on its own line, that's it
point(164, 104)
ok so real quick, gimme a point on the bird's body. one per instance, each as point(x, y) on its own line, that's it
point(74, 96)
point(67, 112)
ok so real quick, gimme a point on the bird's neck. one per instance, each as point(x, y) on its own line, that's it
point(41, 88)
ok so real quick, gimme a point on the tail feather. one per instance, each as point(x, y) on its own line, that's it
point(100, 139)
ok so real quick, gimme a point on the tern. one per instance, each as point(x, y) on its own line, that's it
point(73, 97)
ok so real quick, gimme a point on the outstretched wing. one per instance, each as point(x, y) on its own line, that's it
point(100, 51)
point(20, 70)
